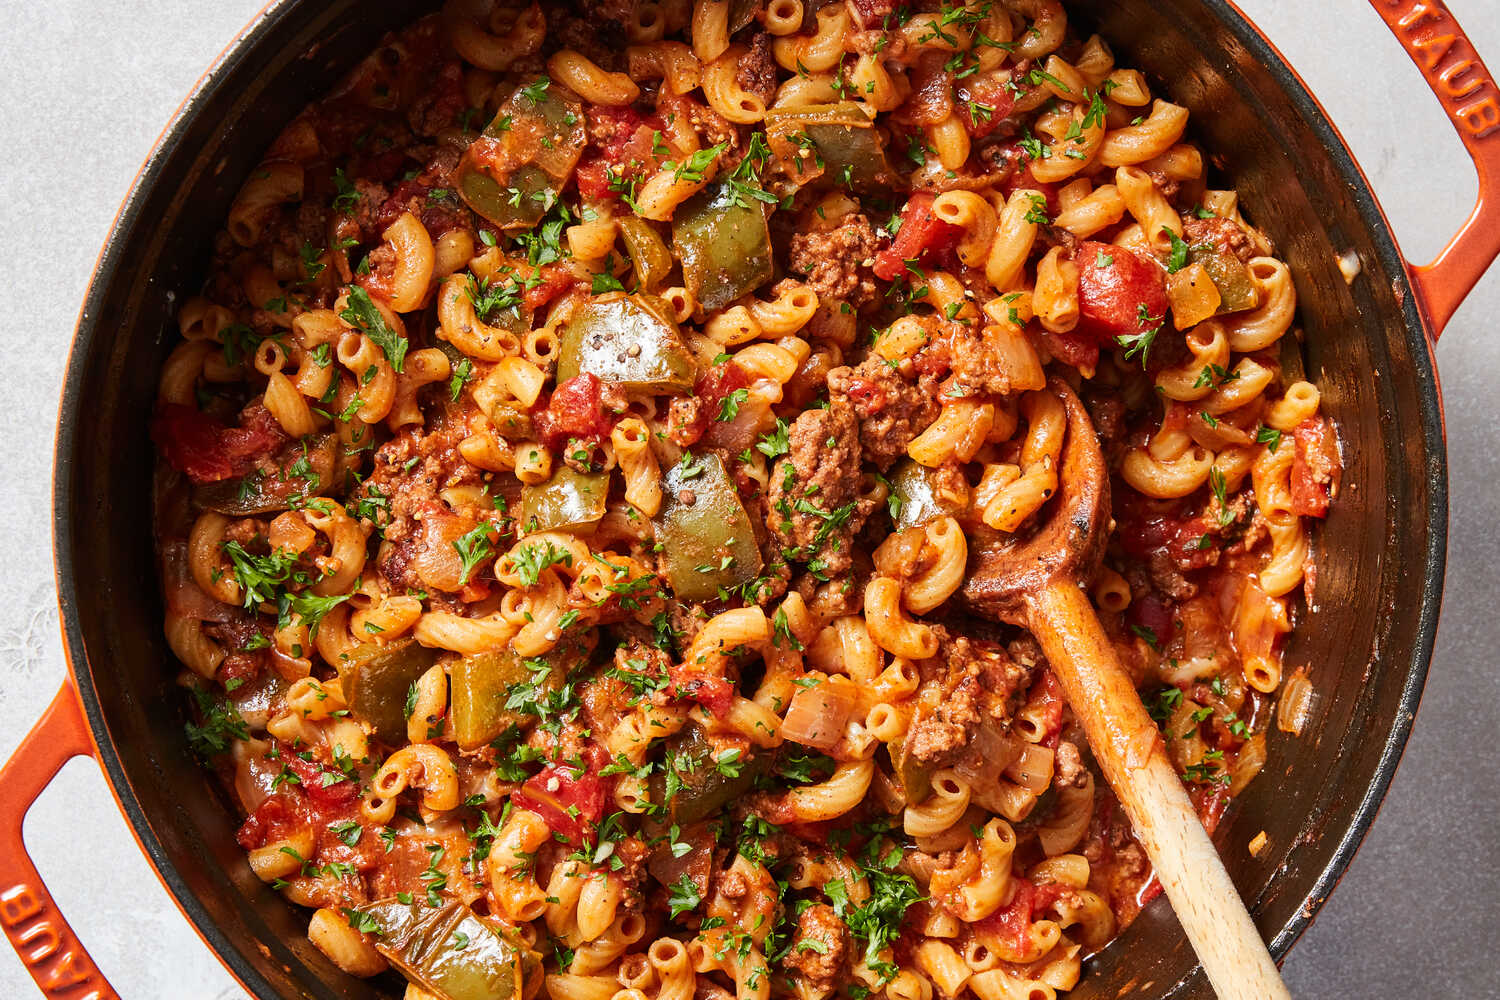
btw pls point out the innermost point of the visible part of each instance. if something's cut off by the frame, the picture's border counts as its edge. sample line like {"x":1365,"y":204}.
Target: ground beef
{"x":873,"y":13}
{"x":1107,"y":412}
{"x":1003,"y":676}
{"x":237,"y":636}
{"x":814,"y":497}
{"x":976,"y":367}
{"x":619,"y":12}
{"x":891,"y":409}
{"x":410,"y":471}
{"x":1224,"y":235}
{"x":1070,"y":772}
{"x":438,"y":105}
{"x":428,"y":196}
{"x":977,"y":682}
{"x":596,"y":34}
{"x":837,"y":263}
{"x":1169,"y":186}
{"x":825,"y":960}
{"x":756,"y":72}
{"x":366,"y":207}
{"x":937,"y":736}
{"x":1167,"y":578}
{"x":685,"y":620}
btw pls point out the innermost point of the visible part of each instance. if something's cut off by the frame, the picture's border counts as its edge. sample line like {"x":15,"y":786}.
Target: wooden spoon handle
{"x":1129,"y":749}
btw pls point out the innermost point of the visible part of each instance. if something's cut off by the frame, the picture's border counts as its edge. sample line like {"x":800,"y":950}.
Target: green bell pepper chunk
{"x":569,"y":501}
{"x":1229,"y":275}
{"x":703,"y":789}
{"x":450,"y":952}
{"x":259,"y":493}
{"x":376,"y":680}
{"x":479,"y":686}
{"x":914,"y":776}
{"x":707,"y":543}
{"x":629,"y":340}
{"x":648,"y":251}
{"x":724,"y":245}
{"x":517,"y":205}
{"x":741,"y":13}
{"x":513,"y":173}
{"x":849,"y":151}
{"x":918,"y":501}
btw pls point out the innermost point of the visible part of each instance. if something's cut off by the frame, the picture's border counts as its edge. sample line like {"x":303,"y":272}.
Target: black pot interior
{"x":1366,"y":640}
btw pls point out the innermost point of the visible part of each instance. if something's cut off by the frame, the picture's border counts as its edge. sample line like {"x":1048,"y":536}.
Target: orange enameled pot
{"x":1368,"y":345}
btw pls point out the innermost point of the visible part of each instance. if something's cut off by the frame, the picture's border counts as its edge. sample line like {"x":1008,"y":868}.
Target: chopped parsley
{"x":474,"y":547}
{"x":1178,"y":258}
{"x":222,"y":725}
{"x":1139,"y":344}
{"x":361,"y":313}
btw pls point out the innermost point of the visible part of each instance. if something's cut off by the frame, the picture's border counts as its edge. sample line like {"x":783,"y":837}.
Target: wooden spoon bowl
{"x":1036,"y":582}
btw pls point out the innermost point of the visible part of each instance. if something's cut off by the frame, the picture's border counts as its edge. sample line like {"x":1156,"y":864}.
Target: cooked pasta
{"x":573,"y":460}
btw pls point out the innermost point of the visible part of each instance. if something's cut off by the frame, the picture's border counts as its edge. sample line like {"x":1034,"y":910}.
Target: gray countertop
{"x":88,"y":84}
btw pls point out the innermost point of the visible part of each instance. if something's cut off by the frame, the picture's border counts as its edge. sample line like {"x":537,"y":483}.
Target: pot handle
{"x":1468,"y":93}
{"x":36,"y":928}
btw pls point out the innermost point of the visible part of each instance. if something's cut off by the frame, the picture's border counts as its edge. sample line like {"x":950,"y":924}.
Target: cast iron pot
{"x":1368,"y":346}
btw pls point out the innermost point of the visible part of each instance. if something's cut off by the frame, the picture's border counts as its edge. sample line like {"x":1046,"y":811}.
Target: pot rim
{"x":171,"y":143}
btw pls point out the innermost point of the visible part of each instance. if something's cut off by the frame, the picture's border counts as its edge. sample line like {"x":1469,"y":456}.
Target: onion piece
{"x":182,"y":594}
{"x":254,"y":774}
{"x":817,"y":715}
{"x":690,"y":854}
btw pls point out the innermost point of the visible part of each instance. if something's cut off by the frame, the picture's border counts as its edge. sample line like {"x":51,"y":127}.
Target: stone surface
{"x":87,"y":86}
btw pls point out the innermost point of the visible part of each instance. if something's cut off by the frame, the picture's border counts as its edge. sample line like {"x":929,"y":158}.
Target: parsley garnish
{"x":684,"y":897}
{"x":362,"y":314}
{"x":1140,"y":343}
{"x":729,"y":406}
{"x":1179,"y":256}
{"x":474,"y":548}
{"x":221,"y":725}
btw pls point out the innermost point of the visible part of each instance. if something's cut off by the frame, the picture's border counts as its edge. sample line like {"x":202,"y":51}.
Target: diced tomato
{"x":323,"y":785}
{"x":556,"y":281}
{"x":1048,"y":690}
{"x":593,"y":178}
{"x":872,"y":13}
{"x":243,"y":667}
{"x":571,"y":802}
{"x":930,"y":99}
{"x":983,"y":103}
{"x":575,"y":410}
{"x":1072,"y":349}
{"x":1148,"y":892}
{"x":1013,"y":921}
{"x":624,"y":143}
{"x":713,"y":691}
{"x":205,"y":450}
{"x":616,"y":126}
{"x":868,"y":397}
{"x":253,"y":832}
{"x":1211,"y":803}
{"x":1151,"y":611}
{"x":1120,"y":293}
{"x":922,"y":234}
{"x":1147,"y":527}
{"x":438,"y":208}
{"x":709,"y":393}
{"x":1314,"y":465}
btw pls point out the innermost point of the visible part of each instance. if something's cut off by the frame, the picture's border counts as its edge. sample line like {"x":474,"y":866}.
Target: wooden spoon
{"x":1036,"y":583}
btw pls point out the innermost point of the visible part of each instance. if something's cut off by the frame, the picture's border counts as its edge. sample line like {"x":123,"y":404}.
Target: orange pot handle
{"x":1467,"y":91}
{"x":35,"y":926}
